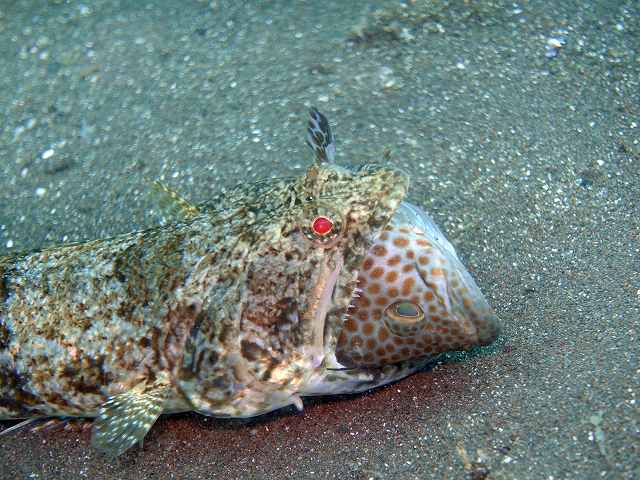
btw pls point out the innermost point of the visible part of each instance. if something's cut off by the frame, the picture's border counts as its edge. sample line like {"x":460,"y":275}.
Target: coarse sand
{"x":519,"y":122}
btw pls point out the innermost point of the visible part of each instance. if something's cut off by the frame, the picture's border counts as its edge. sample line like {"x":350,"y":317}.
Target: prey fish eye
{"x":402,"y":318}
{"x":405,"y":312}
{"x":325,"y":283}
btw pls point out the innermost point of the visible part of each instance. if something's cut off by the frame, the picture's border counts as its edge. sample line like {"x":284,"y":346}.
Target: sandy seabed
{"x":519,"y":124}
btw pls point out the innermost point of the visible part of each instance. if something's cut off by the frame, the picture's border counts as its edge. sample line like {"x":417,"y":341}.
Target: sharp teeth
{"x":297,"y":401}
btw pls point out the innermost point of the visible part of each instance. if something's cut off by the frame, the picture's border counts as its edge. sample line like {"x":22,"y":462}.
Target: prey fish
{"x":236,"y":309}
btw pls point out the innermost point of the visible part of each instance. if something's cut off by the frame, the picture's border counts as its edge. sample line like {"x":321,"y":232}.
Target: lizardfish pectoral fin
{"x":124,"y":419}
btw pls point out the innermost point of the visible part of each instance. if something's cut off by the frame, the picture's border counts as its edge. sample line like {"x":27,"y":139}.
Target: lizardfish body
{"x":241,"y":307}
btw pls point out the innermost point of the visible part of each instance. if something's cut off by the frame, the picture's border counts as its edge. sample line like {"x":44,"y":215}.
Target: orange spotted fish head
{"x":415,"y":299}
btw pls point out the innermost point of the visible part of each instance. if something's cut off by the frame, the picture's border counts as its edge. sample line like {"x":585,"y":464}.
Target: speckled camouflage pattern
{"x":228,"y":312}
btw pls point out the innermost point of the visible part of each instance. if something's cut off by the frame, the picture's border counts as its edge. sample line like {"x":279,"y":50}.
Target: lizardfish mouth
{"x":413,"y":298}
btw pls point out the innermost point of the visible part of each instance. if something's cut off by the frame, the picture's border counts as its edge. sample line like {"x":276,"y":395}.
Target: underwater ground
{"x":519,"y":122}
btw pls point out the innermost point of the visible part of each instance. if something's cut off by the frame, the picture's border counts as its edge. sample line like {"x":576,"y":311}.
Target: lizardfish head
{"x":277,"y":293}
{"x":415,"y":298}
{"x":302,"y":281}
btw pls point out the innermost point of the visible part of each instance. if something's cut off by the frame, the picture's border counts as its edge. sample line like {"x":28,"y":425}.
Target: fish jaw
{"x":415,"y":299}
{"x":260,"y":338}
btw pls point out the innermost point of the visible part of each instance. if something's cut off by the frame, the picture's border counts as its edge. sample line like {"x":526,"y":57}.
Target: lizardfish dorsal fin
{"x":173,"y":203}
{"x":124,"y":419}
{"x":320,"y":138}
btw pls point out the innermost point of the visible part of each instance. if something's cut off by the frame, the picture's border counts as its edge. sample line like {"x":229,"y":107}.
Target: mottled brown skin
{"x":225,"y":304}
{"x":91,"y":320}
